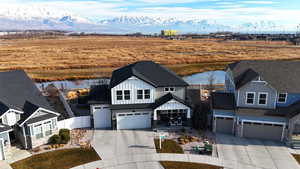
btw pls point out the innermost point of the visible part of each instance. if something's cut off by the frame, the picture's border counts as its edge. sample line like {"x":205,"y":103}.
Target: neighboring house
{"x":262,"y":100}
{"x":141,"y":95}
{"x":25,"y":115}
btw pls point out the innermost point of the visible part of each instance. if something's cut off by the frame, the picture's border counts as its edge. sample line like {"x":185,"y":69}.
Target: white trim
{"x":2,"y":143}
{"x":7,"y":131}
{"x":262,"y":122}
{"x":267,"y":94}
{"x":17,"y":111}
{"x":226,"y":116}
{"x":25,"y":137}
{"x":282,"y":134}
{"x":254,"y":95}
{"x":41,"y":122}
{"x":238,"y":98}
{"x":286,"y":95}
{"x":40,"y":108}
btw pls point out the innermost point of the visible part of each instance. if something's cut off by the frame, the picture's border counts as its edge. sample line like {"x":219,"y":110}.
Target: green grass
{"x":168,"y":146}
{"x":297,"y":157}
{"x":187,"y":165}
{"x":59,"y":159}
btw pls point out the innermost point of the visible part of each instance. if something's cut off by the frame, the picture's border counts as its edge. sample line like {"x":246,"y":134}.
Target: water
{"x":202,"y":78}
{"x":74,"y":84}
{"x":195,"y":79}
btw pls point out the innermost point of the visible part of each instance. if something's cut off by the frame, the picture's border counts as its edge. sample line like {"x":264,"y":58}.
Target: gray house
{"x":26,"y":117}
{"x":262,"y":100}
{"x":141,"y":95}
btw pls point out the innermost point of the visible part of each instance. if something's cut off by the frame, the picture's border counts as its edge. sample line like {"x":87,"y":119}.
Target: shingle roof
{"x":224,"y":101}
{"x":148,"y":71}
{"x":4,"y":128}
{"x":282,"y":75}
{"x":3,"y":108}
{"x":17,"y":90}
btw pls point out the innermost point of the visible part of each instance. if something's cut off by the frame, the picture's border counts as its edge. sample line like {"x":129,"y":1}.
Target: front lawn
{"x":297,"y":157}
{"x":59,"y":159}
{"x":186,"y":165}
{"x":168,"y":146}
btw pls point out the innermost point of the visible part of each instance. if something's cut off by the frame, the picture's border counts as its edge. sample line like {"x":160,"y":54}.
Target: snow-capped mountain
{"x":43,"y":17}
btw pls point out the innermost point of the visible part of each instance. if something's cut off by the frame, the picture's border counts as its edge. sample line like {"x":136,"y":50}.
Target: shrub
{"x":55,"y":139}
{"x":64,"y":135}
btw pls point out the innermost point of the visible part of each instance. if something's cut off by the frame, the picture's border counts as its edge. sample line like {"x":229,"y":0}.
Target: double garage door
{"x":134,"y":120}
{"x":263,"y":131}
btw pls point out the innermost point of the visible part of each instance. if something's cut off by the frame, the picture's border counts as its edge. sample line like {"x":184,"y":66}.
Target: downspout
{"x":24,"y":134}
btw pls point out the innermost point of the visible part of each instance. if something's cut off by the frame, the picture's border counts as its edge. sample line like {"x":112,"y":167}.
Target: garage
{"x":262,"y":130}
{"x":134,"y":120}
{"x":102,"y":116}
{"x":224,"y":125}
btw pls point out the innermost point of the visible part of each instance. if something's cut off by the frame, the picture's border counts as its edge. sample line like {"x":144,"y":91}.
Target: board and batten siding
{"x":172,"y":105}
{"x":133,"y":84}
{"x":10,"y":118}
{"x":179,"y":92}
{"x":257,"y":87}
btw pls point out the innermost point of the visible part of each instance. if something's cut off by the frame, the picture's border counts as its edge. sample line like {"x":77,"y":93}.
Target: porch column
{"x":188,"y":116}
{"x":154,"y":124}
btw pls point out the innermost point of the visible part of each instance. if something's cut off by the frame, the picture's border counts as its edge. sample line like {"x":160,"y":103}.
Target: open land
{"x":96,"y":56}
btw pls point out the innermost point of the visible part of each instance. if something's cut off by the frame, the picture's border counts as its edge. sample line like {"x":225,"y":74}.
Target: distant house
{"x":141,"y":95}
{"x":25,"y":115}
{"x":262,"y":100}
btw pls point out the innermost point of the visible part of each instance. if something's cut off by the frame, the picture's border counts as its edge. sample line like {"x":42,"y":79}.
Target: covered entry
{"x":268,"y":130}
{"x":134,"y":120}
{"x":102,"y":116}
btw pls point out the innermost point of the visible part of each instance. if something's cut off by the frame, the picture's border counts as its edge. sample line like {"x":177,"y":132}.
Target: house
{"x":141,"y":95}
{"x":26,"y":117}
{"x":261,"y":100}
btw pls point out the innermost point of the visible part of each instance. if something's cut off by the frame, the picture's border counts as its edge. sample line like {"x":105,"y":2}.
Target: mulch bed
{"x":187,"y":165}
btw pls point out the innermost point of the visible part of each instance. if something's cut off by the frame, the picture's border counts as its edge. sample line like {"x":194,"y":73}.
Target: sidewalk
{"x":139,"y":161}
{"x":4,"y":165}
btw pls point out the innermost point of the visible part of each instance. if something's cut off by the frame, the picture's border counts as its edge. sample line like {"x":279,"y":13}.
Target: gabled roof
{"x":29,"y":109}
{"x":282,"y":75}
{"x":148,"y":71}
{"x":167,"y":97}
{"x":224,"y":101}
{"x":17,"y":90}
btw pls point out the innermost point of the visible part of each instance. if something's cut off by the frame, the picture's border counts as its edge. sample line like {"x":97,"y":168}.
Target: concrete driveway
{"x":262,"y":154}
{"x":110,"y":144}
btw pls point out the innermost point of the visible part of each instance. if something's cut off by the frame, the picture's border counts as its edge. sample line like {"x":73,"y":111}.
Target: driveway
{"x":262,"y":154}
{"x":110,"y":144}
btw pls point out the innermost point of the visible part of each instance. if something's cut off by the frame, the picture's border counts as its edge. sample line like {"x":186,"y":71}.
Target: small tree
{"x":64,"y":136}
{"x":55,"y":139}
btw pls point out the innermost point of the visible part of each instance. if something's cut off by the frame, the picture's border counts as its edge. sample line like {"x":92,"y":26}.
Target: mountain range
{"x":20,"y":18}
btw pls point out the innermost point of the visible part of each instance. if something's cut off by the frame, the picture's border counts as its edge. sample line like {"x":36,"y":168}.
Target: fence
{"x":75,"y":122}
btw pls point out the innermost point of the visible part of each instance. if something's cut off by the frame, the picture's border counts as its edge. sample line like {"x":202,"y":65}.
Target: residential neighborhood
{"x":146,"y":110}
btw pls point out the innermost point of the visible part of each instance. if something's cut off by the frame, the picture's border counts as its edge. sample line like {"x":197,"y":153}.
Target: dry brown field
{"x":92,"y":57}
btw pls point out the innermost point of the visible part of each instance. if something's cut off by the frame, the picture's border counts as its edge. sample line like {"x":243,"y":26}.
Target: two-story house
{"x":141,"y":95}
{"x":262,"y":100}
{"x":26,"y":117}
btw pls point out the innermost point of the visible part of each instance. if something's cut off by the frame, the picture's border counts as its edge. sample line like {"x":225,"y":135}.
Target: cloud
{"x":259,"y":2}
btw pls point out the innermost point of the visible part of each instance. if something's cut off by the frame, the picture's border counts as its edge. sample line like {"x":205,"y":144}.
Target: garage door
{"x":102,"y":117}
{"x":136,"y":120}
{"x":224,"y":125}
{"x":262,"y":131}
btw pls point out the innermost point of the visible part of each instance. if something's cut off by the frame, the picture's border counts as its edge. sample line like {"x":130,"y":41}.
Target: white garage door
{"x":134,"y":120}
{"x":102,"y":117}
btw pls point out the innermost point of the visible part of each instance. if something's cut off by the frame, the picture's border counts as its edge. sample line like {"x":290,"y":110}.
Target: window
{"x":169,"y":89}
{"x":262,"y":100}
{"x":139,"y":94}
{"x":38,"y":131}
{"x":282,"y":97}
{"x":147,"y":94}
{"x":54,"y":123}
{"x":48,"y":128}
{"x":119,"y":95}
{"x":250,"y":98}
{"x":127,"y":94}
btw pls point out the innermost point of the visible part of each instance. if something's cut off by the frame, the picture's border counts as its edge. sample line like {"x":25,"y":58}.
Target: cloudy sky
{"x":286,"y":12}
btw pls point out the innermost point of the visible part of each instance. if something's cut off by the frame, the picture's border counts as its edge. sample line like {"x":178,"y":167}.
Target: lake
{"x":195,"y":79}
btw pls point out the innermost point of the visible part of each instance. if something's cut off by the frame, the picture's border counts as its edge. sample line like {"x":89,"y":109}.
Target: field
{"x":92,"y":57}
